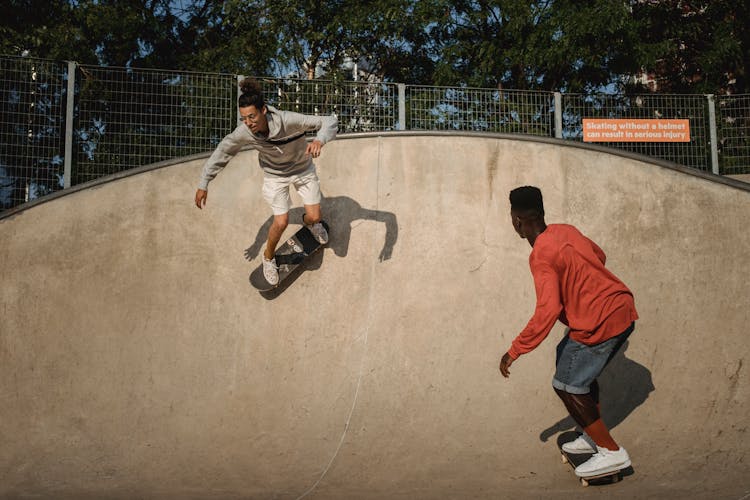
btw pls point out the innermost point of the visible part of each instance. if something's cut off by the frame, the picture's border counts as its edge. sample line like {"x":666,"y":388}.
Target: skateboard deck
{"x":290,"y":255}
{"x":576,"y":459}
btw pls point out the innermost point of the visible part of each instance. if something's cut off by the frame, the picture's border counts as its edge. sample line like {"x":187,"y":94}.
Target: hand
{"x":200,"y":198}
{"x":313,"y":148}
{"x":505,"y":365}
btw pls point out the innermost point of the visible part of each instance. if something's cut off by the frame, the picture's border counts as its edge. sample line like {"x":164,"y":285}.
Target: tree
{"x":234,"y":36}
{"x":570,"y":45}
{"x":392,"y":39}
{"x":545,"y":45}
{"x":45,"y":29}
{"x":695,"y":46}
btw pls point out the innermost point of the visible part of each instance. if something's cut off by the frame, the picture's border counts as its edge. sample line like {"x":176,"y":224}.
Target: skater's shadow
{"x":624,"y":385}
{"x":340,"y":212}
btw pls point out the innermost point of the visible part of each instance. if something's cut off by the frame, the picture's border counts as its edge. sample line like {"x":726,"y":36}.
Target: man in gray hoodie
{"x":285,"y":157}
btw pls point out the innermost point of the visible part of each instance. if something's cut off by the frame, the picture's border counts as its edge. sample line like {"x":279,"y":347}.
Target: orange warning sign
{"x":635,"y":130}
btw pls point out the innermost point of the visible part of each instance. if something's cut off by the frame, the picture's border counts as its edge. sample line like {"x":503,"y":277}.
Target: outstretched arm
{"x":225,"y":151}
{"x":546,"y":313}
{"x":326,"y":126}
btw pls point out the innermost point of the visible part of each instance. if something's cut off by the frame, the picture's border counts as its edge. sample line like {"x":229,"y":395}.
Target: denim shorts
{"x":578,"y":365}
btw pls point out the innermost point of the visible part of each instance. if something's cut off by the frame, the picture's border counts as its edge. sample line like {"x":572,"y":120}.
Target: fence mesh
{"x":696,"y":153}
{"x":733,"y":130}
{"x":486,"y":110}
{"x":124,"y":118}
{"x":128,"y":118}
{"x":360,"y":106}
{"x":32,"y":120}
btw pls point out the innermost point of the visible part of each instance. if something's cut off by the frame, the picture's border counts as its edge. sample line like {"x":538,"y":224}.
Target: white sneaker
{"x":604,"y":461}
{"x":583,"y":444}
{"x":320,"y":233}
{"x":270,"y":271}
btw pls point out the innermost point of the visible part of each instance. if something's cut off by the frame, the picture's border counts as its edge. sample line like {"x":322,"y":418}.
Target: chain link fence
{"x":62,"y":124}
{"x":360,"y":106}
{"x":696,"y":153}
{"x":733,"y":124}
{"x":126,"y":118}
{"x":32,"y":123}
{"x":484,"y":110}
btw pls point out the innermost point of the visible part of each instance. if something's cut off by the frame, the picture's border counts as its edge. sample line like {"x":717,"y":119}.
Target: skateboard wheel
{"x":584,"y":482}
{"x":564,"y":459}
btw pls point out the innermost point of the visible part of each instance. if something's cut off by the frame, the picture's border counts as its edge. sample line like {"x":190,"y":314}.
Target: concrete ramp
{"x":136,"y":361}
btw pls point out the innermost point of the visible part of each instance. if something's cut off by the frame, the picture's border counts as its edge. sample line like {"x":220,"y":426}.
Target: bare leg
{"x":312,"y":215}
{"x":279,"y":224}
{"x":584,"y":410}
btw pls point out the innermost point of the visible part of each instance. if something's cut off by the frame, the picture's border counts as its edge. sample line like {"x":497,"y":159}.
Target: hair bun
{"x":251,"y":86}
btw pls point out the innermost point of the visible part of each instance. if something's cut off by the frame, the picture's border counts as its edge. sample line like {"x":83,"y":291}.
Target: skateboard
{"x":576,"y":459}
{"x":289,"y":256}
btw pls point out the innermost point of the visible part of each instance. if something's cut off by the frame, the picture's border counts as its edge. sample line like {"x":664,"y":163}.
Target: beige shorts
{"x":276,"y":190}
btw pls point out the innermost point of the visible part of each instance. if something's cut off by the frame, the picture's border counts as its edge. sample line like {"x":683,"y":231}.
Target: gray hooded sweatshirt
{"x":282,"y":153}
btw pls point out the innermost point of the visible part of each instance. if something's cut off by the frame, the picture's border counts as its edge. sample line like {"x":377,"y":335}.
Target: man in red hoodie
{"x":573,"y":286}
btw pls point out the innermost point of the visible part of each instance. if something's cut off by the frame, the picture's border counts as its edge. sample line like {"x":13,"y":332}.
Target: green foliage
{"x":568,"y":45}
{"x":549,"y":45}
{"x":695,"y":46}
{"x":43,"y":28}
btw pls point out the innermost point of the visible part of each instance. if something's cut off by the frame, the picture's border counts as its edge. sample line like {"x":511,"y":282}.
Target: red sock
{"x":599,"y":433}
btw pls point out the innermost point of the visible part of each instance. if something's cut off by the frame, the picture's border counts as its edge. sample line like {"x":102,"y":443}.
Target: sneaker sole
{"x":270,"y":282}
{"x":604,"y":471}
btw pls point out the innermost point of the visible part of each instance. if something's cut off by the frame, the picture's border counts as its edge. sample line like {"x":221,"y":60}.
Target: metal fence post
{"x":402,"y":106}
{"x":69,"y":107}
{"x":558,"y":116}
{"x":712,"y":134}
{"x":233,"y":104}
